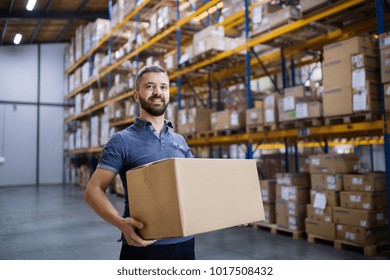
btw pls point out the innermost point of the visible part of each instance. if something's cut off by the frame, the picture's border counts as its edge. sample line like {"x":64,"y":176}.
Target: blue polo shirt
{"x":140,"y":144}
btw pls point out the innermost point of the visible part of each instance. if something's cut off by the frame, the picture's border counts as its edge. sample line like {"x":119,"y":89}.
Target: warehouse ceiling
{"x":51,"y":21}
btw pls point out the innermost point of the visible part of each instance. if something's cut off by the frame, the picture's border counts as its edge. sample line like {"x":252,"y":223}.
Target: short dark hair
{"x":148,"y":69}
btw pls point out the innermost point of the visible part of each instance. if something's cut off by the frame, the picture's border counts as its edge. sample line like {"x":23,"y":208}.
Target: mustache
{"x":157,"y":97}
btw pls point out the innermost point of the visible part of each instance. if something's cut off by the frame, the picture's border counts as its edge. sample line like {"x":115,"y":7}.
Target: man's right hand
{"x":127,"y":227}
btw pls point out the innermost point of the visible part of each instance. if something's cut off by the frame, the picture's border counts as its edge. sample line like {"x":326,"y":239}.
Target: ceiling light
{"x":30,"y":5}
{"x":17,"y":39}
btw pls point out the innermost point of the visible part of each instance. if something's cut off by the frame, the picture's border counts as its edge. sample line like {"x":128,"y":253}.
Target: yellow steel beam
{"x":107,"y":36}
{"x":271,"y":35}
{"x":100,"y":106}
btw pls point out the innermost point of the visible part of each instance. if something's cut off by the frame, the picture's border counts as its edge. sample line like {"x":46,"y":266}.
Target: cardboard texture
{"x":385,"y":65}
{"x":363,"y":200}
{"x":333,"y":163}
{"x":293,"y":179}
{"x":254,"y":116}
{"x":292,"y":193}
{"x":360,"y":218}
{"x":290,"y":222}
{"x":337,"y":101}
{"x":372,"y":182}
{"x":362,"y":60}
{"x":337,"y":72}
{"x":384,"y":40}
{"x":362,"y":236}
{"x":327,"y":230}
{"x":358,"y":44}
{"x":269,"y":213}
{"x":321,"y":215}
{"x":332,"y":197}
{"x":321,"y":182}
{"x":182,"y":197}
{"x":310,"y":109}
{"x":227,"y":119}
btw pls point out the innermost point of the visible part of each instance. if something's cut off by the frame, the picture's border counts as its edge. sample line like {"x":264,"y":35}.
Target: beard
{"x":155,"y":110}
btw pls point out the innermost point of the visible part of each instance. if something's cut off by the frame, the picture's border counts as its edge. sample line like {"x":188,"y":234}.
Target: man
{"x":150,"y":138}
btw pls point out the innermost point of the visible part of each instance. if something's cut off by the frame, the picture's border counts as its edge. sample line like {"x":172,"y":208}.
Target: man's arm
{"x":95,"y":197}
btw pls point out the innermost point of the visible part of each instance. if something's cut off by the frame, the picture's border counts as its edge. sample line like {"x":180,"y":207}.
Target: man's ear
{"x":136,"y":96}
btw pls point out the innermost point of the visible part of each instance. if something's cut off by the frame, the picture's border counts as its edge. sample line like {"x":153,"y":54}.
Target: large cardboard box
{"x":371,"y":182}
{"x":332,"y":182}
{"x":360,"y":218}
{"x":292,"y":193}
{"x":268,"y":190}
{"x":367,"y":98}
{"x":333,"y":163}
{"x":290,"y":222}
{"x":321,"y":215}
{"x":298,"y":91}
{"x":362,"y":236}
{"x":385,"y":65}
{"x":293,"y":179}
{"x":361,"y":76}
{"x":307,"y":110}
{"x":337,"y":71}
{"x":254,"y":116}
{"x":278,"y":18}
{"x":227,"y":119}
{"x":327,"y":230}
{"x":387,"y":96}
{"x":331,"y":198}
{"x":269,"y":213}
{"x":358,"y":44}
{"x":181,"y":197}
{"x":384,"y":40}
{"x":337,"y":101}
{"x":362,"y":60}
{"x":363,"y":200}
{"x":199,"y":119}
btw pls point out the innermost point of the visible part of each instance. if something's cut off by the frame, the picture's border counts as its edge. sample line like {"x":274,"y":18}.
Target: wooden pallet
{"x":368,"y":250}
{"x":275,"y":229}
{"x":301,"y":123}
{"x":270,"y":127}
{"x":254,"y":128}
{"x":312,"y":238}
{"x":362,"y":117}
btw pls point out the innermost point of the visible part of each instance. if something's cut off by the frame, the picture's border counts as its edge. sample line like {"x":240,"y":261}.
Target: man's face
{"x":153,"y":93}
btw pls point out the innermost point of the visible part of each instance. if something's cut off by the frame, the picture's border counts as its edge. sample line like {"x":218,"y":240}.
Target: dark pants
{"x":180,"y":251}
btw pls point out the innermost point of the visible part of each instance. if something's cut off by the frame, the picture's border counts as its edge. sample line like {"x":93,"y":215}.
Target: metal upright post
{"x":292,"y":72}
{"x":286,"y":156}
{"x":248,"y":74}
{"x":372,"y":157}
{"x":178,"y":39}
{"x":296,"y":157}
{"x":284,"y":69}
{"x":326,"y":146}
{"x":219,"y":103}
{"x":210,"y":95}
{"x":381,"y":29}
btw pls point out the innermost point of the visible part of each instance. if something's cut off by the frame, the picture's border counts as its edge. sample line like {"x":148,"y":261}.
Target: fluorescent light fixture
{"x":17,"y":39}
{"x":31,"y":4}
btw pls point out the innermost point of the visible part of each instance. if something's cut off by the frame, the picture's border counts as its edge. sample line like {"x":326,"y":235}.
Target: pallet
{"x":368,"y":250}
{"x":275,"y":229}
{"x":318,"y":8}
{"x":361,"y":117}
{"x":270,"y":127}
{"x":314,"y":239}
{"x":301,"y":123}
{"x":254,"y":128}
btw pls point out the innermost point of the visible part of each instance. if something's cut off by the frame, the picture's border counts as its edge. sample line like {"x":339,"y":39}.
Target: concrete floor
{"x":53,"y":223}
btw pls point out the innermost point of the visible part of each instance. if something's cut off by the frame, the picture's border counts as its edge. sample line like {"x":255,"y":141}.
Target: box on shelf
{"x":387,"y":96}
{"x":268,"y":188}
{"x":332,"y":182}
{"x":171,"y":199}
{"x":209,"y":43}
{"x":78,"y":43}
{"x":227,"y":119}
{"x":309,"y":109}
{"x":362,"y":60}
{"x":385,"y":65}
{"x":254,"y":116}
{"x":321,"y":215}
{"x":363,"y":101}
{"x":372,"y":182}
{"x":337,"y":101}
{"x":318,"y":228}
{"x":362,"y":76}
{"x":363,"y":200}
{"x":212,"y":31}
{"x":333,"y":163}
{"x":348,"y":47}
{"x":362,"y":236}
{"x":384,"y":40}
{"x":336,"y":72}
{"x":360,"y":218}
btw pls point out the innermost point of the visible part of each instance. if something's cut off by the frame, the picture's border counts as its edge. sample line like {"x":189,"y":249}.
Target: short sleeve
{"x":188,"y":150}
{"x":112,"y":155}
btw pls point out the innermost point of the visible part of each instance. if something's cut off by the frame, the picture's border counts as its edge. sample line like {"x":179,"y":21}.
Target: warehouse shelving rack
{"x":272,"y":61}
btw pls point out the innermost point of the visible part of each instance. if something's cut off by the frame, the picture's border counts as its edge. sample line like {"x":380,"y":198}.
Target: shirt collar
{"x":143,"y":123}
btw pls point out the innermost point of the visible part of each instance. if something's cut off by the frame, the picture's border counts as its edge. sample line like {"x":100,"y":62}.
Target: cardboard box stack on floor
{"x":268,"y":193}
{"x":339,"y":77}
{"x":326,"y":184}
{"x":292,"y":195}
{"x":384,"y":45}
{"x":362,"y":215}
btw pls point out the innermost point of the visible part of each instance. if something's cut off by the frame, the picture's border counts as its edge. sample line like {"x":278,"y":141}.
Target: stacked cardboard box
{"x":326,"y":184}
{"x":95,"y":131}
{"x":361,"y":217}
{"x":384,"y":45}
{"x":210,"y":38}
{"x":104,"y":128}
{"x":270,"y":110}
{"x":227,"y":120}
{"x":268,"y":193}
{"x":193,"y":120}
{"x":292,"y":195}
{"x":337,"y":74}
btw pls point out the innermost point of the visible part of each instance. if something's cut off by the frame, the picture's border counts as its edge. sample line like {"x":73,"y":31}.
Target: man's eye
{"x":149,"y":86}
{"x":164,"y":87}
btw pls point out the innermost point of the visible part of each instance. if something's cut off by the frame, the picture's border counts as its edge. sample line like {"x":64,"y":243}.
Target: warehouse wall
{"x":21,"y":68}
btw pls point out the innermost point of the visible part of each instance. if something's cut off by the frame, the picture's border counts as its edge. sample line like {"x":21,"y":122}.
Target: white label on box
{"x":269,"y":116}
{"x":234,"y":118}
{"x":350,"y":235}
{"x":366,"y":205}
{"x":265,"y":20}
{"x":315,"y":161}
{"x":355,"y":198}
{"x":363,"y":223}
{"x":386,"y":41}
{"x":288,"y":103}
{"x":292,"y":221}
{"x":213,"y":119}
{"x":301,"y":111}
{"x":257,"y":14}
{"x":201,"y":46}
{"x":319,"y":201}
{"x":358,"y":78}
{"x":339,"y":227}
{"x":367,"y":188}
{"x":360,"y":102}
{"x":285,"y":193}
{"x":331,"y":182}
{"x":357,"y":60}
{"x":379,"y":216}
{"x":183,"y":119}
{"x":327,"y":219}
{"x":387,"y":62}
{"x":283,"y":181}
{"x":388,"y":90}
{"x":319,"y":211}
{"x":264,"y":194}
{"x":357,"y":181}
{"x":269,"y":100}
{"x":253,"y":115}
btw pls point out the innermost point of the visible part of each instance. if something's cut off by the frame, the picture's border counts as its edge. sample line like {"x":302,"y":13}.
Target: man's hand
{"x":127,"y":227}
